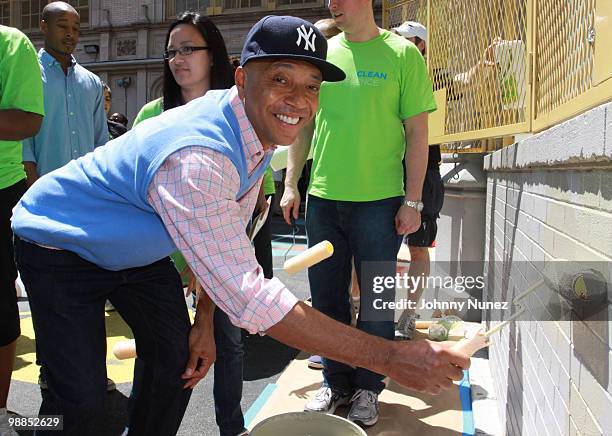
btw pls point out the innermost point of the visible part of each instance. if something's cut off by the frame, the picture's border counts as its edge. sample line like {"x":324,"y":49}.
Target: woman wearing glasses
{"x":195,"y":61}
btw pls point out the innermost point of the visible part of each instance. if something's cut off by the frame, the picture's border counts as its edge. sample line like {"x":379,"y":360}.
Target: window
{"x":30,"y":13}
{"x":190,"y":5}
{"x":296,"y":2}
{"x":241,"y":4}
{"x":82,"y":7}
{"x":5,"y":13}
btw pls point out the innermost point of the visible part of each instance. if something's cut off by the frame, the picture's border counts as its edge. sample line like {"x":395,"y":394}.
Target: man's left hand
{"x":407,"y":220}
{"x":202,"y":354}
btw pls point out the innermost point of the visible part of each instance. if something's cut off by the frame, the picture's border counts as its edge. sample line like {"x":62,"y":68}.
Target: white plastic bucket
{"x":306,"y":424}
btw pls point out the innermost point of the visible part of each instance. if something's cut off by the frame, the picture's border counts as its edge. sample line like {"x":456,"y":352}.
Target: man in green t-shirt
{"x":21,"y":114}
{"x":356,"y":199}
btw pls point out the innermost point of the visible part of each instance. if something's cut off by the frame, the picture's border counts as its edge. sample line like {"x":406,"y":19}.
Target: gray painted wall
{"x":550,"y":196}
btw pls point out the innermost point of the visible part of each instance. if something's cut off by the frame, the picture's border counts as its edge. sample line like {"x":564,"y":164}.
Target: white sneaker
{"x":364,"y":409}
{"x":326,"y":401}
{"x":5,"y":428}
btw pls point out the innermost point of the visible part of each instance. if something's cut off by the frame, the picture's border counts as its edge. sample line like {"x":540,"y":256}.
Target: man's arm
{"x":484,"y":68}
{"x":297,"y":156}
{"x":21,"y":91}
{"x":201,"y":340}
{"x":421,"y":365}
{"x":16,"y":124}
{"x":31,"y":172}
{"x":193,"y":194}
{"x":408,"y":219}
{"x":29,"y":160}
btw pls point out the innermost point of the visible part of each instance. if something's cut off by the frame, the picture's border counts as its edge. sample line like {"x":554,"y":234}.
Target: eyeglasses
{"x":184,"y":51}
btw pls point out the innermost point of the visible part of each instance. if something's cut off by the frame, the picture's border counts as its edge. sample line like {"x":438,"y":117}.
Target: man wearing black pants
{"x":21,"y":110}
{"x":149,"y":298}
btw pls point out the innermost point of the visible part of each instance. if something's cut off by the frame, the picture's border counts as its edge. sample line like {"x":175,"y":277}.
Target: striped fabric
{"x":194,"y":193}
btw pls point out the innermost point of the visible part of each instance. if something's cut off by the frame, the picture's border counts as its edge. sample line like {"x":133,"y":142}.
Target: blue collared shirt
{"x":74,"y":123}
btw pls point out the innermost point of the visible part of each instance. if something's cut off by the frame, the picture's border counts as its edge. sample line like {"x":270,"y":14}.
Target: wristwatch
{"x":416,"y":205}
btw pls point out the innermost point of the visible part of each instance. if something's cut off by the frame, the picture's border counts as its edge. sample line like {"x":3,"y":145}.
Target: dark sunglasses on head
{"x":184,"y":51}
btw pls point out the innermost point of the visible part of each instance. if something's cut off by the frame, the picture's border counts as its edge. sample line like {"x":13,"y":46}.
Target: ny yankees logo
{"x":309,"y":37}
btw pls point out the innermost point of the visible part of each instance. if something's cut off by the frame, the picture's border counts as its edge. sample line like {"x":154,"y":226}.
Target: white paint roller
{"x":310,"y":257}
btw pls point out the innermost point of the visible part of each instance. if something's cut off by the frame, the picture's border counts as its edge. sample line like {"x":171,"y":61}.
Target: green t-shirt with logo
{"x":359,"y":136}
{"x":20,"y":88}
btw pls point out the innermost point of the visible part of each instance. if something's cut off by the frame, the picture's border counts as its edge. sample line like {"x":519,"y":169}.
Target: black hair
{"x":119,"y":118}
{"x":221,"y":72}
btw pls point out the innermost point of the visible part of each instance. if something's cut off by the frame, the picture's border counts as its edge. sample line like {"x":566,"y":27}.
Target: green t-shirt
{"x":149,"y":110}
{"x":20,"y":88}
{"x":268,"y":182}
{"x":359,"y":136}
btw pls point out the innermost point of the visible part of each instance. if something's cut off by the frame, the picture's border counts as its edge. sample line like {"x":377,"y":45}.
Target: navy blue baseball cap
{"x":278,"y":37}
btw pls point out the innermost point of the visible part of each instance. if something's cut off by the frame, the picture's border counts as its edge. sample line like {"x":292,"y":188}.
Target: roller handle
{"x":125,"y":349}
{"x":471,"y":345}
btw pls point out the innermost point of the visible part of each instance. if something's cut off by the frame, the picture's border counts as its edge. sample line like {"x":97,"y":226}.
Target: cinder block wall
{"x":550,"y":196}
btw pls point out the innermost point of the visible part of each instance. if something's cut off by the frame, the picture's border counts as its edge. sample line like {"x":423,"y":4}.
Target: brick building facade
{"x":122,"y":41}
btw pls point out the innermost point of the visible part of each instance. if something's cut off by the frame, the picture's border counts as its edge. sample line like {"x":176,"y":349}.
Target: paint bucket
{"x":306,"y":424}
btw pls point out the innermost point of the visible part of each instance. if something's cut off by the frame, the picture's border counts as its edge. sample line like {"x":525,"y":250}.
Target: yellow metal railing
{"x":504,"y":67}
{"x":573,"y":67}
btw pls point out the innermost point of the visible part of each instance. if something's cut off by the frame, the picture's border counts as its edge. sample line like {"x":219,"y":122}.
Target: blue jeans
{"x":67,"y":296}
{"x":365,"y":231}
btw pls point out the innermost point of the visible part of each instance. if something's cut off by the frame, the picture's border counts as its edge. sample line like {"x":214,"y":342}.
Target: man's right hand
{"x":421,"y":365}
{"x":425,"y":366}
{"x":290,"y":203}
{"x":31,"y":173}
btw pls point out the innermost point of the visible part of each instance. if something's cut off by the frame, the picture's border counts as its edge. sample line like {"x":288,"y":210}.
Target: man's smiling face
{"x":280,"y":97}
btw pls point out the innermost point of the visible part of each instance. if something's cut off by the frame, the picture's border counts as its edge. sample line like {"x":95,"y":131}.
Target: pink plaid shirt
{"x":194,"y":193}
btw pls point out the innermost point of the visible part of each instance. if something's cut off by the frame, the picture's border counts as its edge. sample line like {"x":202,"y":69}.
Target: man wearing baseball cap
{"x":187,"y":179}
{"x":414,"y":32}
